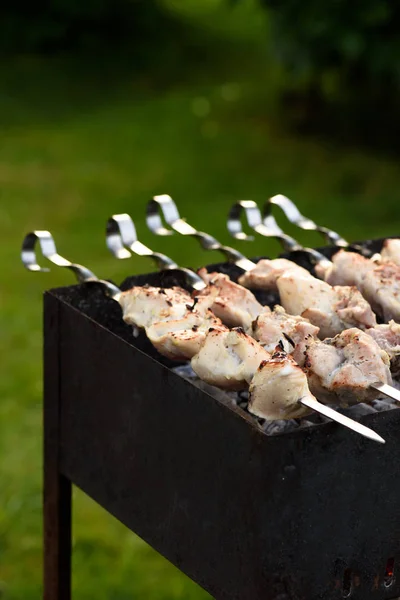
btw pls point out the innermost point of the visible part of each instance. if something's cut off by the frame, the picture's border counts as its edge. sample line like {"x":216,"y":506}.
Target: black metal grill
{"x":311,"y":514}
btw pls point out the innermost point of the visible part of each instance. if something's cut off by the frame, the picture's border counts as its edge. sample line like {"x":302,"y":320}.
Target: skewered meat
{"x":344,"y":367}
{"x":274,"y":380}
{"x":143,"y":306}
{"x":266,"y":273}
{"x":332,"y":309}
{"x":234,"y":305}
{"x":387,"y":336}
{"x":391,"y":251}
{"x":181,"y":339}
{"x":277,"y":326}
{"x":229,"y":359}
{"x":378,"y":283}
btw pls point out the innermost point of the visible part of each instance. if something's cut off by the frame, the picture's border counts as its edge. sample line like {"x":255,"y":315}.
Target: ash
{"x":240,"y":399}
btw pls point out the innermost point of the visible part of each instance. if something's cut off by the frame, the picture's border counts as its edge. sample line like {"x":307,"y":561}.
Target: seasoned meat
{"x":265,"y":275}
{"x":391,"y":251}
{"x":228,"y":359}
{"x":277,"y":326}
{"x":342,"y":369}
{"x":181,"y":339}
{"x":233,"y":304}
{"x":332,"y":309}
{"x":142,"y":306}
{"x":276,"y":389}
{"x":387,"y":336}
{"x":378,"y":283}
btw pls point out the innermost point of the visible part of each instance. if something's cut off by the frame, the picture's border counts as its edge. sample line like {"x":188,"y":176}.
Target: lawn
{"x":80,"y":142}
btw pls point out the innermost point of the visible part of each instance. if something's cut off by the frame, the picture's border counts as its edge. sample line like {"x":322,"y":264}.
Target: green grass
{"x":81,"y":144}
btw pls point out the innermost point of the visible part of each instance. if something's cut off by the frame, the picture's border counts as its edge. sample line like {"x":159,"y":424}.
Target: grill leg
{"x":57,"y":488}
{"x":57,"y":536}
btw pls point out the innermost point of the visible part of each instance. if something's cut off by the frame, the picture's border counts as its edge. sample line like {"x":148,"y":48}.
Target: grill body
{"x":245,"y":515}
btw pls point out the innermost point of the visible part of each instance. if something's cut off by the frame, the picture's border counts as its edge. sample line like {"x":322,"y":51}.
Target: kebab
{"x":274,"y":368}
{"x":332,"y":310}
{"x":378,"y":283}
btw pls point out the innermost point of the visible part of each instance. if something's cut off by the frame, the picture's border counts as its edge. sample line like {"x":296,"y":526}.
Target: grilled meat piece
{"x":387,"y":336}
{"x":181,"y":339}
{"x":277,"y":326}
{"x":143,"y":306}
{"x":391,"y":251}
{"x":265,"y":275}
{"x":234,"y":305}
{"x":277,"y":387}
{"x":343,"y":368}
{"x":332,"y":309}
{"x":228,"y":359}
{"x":378,"y":283}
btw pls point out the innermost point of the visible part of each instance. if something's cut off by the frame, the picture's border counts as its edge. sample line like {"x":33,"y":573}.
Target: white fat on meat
{"x":378,"y":283}
{"x":181,"y":339}
{"x":228,"y":359}
{"x":276,"y":389}
{"x":387,"y":336}
{"x":332,"y":309}
{"x":266,"y":273}
{"x":341,"y":369}
{"x":277,"y":326}
{"x":391,"y":251}
{"x":233,"y":304}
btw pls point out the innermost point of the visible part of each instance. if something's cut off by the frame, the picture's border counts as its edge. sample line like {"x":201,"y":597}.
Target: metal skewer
{"x":322,"y":409}
{"x":254,"y":219}
{"x":164,"y":206}
{"x":293,"y":215}
{"x":84,"y":275}
{"x":121,"y":238}
{"x":49,"y":251}
{"x":267,"y":227}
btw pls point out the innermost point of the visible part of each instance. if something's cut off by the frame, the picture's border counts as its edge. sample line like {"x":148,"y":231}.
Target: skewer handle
{"x":293,"y":214}
{"x":268,"y":227}
{"x":122,"y":239}
{"x":49,"y":251}
{"x":164,"y":207}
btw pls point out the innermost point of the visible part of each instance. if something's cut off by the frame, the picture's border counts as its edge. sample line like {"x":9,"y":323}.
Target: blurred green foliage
{"x":82,"y":140}
{"x":337,"y":46}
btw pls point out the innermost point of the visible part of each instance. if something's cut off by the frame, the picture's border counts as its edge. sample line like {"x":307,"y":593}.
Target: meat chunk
{"x":387,"y":336}
{"x":378,"y":283}
{"x":342,"y":369}
{"x":277,"y":326}
{"x":142,"y":306}
{"x":332,"y":309}
{"x":276,"y":389}
{"x":228,"y":359}
{"x":391,"y":251}
{"x":181,"y":339}
{"x":233,"y":304}
{"x":265,"y":275}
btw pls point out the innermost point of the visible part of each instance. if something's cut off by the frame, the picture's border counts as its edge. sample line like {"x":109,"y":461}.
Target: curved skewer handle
{"x":49,"y":251}
{"x":293,"y":214}
{"x":267,"y":227}
{"x":122,"y":239}
{"x":164,"y":207}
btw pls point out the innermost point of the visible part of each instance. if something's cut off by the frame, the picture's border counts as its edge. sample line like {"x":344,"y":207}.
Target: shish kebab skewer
{"x":353,"y":308}
{"x":279,"y":366}
{"x":345,"y":305}
{"x":237,"y":306}
{"x":378,"y":283}
{"x":390,"y":250}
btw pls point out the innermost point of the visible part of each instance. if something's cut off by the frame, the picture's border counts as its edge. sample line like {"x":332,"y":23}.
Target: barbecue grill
{"x":307,"y":514}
